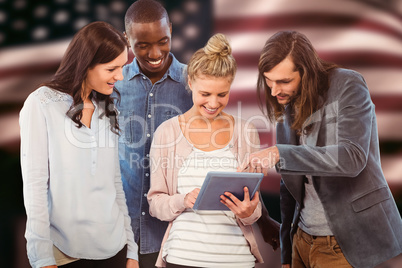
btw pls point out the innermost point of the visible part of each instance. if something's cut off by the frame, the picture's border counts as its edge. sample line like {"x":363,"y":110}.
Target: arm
{"x":35,"y":175}
{"x":132,"y":247}
{"x":346,"y":127}
{"x":164,"y":203}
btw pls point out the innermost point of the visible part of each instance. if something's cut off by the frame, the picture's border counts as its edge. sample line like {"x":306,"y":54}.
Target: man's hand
{"x":261,"y":161}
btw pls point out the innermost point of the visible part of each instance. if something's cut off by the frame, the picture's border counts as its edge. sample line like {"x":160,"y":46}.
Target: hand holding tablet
{"x":217,"y":183}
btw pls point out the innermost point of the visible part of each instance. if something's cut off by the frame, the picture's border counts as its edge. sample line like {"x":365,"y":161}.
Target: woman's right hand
{"x":190,"y":198}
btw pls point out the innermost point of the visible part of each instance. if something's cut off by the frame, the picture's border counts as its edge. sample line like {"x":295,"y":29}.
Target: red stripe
{"x":39,"y":68}
{"x":388,"y":103}
{"x":307,"y":19}
{"x":349,"y":59}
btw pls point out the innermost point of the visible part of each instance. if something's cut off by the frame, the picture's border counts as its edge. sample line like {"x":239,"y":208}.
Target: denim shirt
{"x":143,"y":107}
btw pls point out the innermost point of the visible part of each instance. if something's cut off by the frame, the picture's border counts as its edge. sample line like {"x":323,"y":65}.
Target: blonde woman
{"x":184,"y":149}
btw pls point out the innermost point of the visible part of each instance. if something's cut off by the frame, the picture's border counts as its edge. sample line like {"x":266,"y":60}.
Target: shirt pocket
{"x":371,"y":198}
{"x":170,"y":113}
{"x":126,"y":124}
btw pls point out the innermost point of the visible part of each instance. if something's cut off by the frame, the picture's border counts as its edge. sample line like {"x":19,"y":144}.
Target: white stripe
{"x":389,"y":125}
{"x":239,"y":8}
{"x":380,"y":81}
{"x":10,"y":129}
{"x":392,"y":167}
{"x":33,"y":54}
{"x":323,"y":39}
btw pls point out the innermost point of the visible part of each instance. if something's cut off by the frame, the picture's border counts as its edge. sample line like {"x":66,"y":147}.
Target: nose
{"x":213,"y":102}
{"x":275,"y":90}
{"x":119,"y":74}
{"x":154,"y":52}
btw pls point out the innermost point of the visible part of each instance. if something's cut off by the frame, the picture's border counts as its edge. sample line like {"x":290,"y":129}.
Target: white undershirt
{"x":207,"y":238}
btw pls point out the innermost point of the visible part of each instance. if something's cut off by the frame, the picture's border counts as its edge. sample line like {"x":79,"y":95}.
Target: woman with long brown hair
{"x":76,"y":209}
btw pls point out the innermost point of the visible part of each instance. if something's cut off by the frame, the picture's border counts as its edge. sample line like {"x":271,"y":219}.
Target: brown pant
{"x":316,"y":251}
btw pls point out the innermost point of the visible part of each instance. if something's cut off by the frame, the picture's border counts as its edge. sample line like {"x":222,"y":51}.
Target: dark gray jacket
{"x":342,"y":155}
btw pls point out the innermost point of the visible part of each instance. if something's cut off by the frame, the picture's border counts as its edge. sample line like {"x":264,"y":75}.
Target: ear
{"x":189,"y":82}
{"x":170,"y":27}
{"x":128,"y":40}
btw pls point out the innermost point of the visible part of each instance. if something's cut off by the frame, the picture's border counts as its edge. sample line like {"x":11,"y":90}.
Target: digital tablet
{"x":218,"y":182}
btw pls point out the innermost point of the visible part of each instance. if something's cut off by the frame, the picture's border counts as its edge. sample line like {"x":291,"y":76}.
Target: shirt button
{"x":144,"y":77}
{"x":149,"y":116}
{"x":147,"y":174}
{"x":147,"y":155}
{"x":143,"y":213}
{"x":148,"y":135}
{"x":151,"y":94}
{"x":145,"y":195}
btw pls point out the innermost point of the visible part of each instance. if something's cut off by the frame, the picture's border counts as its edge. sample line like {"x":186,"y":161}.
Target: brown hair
{"x":314,"y":73}
{"x":215,"y":59}
{"x":96,"y":43}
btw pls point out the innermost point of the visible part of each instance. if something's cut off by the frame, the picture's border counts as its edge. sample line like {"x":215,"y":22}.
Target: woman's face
{"x":210,"y":95}
{"x":102,"y":77}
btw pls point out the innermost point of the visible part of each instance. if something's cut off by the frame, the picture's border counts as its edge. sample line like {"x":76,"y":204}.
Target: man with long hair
{"x":337,"y":209}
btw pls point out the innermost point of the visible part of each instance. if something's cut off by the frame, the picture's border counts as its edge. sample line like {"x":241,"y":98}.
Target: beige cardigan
{"x":169,"y":150}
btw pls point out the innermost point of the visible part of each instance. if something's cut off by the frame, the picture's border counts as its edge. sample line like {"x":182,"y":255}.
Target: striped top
{"x":206,"y":238}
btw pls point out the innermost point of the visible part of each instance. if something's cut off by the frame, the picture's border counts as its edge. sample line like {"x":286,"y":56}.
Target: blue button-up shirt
{"x":143,"y":107}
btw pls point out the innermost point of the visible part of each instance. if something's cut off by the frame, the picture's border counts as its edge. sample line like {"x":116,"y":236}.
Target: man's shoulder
{"x":343,"y":73}
{"x":178,"y":71}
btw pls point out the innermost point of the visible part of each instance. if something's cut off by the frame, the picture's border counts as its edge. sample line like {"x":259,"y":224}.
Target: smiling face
{"x":102,"y":77}
{"x":210,"y":95}
{"x":284,"y":81}
{"x":151,"y":43}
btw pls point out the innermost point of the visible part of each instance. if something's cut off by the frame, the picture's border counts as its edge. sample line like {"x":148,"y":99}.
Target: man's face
{"x":284,"y":81}
{"x":151,"y":44}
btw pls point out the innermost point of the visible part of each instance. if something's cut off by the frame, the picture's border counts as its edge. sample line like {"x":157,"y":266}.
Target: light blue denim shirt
{"x":143,"y":108}
{"x":73,"y":193}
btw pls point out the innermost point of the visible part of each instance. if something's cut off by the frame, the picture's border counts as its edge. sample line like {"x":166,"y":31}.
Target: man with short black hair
{"x":153,"y":90}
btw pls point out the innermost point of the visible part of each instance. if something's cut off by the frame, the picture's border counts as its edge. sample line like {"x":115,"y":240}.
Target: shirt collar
{"x":174,"y":71}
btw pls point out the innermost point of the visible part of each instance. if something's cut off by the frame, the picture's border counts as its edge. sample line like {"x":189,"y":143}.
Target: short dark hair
{"x":96,"y":43}
{"x":144,"y":11}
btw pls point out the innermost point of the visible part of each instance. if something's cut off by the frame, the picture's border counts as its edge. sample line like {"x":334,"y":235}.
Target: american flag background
{"x":364,"y":35}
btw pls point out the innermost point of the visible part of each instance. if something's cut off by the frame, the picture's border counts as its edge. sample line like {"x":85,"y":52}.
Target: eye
{"x":222,"y":95}
{"x":163,"y":42}
{"x":205,"y":94}
{"x":142,"y":46}
{"x":111,"y":70}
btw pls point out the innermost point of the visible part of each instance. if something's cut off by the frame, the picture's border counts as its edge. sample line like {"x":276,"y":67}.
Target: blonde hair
{"x":215,"y":59}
